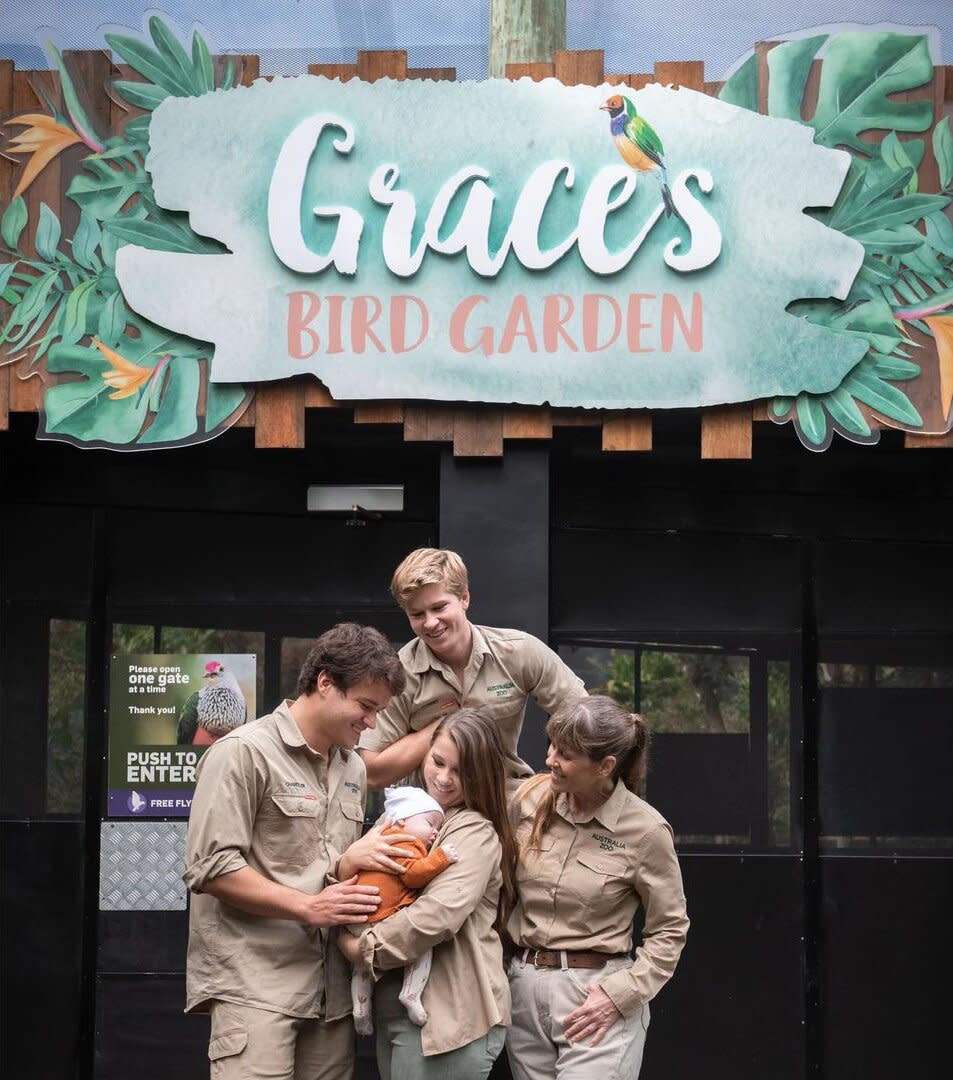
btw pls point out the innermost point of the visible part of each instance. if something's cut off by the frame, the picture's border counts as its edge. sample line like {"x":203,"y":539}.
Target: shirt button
{"x":300,"y":806}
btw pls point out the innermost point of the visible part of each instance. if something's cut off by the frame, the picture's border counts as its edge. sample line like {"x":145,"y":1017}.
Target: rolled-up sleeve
{"x":223,"y":812}
{"x":443,"y":907}
{"x":658,"y":882}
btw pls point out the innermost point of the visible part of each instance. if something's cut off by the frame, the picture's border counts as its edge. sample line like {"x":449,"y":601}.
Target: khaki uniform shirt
{"x":505,"y":667}
{"x":467,"y":992}
{"x":265,"y":799}
{"x":582,"y":887}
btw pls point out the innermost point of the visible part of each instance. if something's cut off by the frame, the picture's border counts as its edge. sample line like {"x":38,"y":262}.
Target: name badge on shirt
{"x":501,"y":689}
{"x":607,"y":843}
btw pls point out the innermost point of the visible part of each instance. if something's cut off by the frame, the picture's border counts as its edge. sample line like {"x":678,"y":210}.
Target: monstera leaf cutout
{"x":859,"y":73}
{"x":863,"y":76}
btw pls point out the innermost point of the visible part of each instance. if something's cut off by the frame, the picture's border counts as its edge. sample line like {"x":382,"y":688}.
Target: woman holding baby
{"x":459,"y":915}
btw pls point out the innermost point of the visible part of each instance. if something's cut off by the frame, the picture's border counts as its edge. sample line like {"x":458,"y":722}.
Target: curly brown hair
{"x":349,"y":653}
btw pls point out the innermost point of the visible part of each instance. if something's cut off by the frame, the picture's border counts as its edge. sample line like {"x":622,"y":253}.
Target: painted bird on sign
{"x":214,"y":710}
{"x":638,"y":144}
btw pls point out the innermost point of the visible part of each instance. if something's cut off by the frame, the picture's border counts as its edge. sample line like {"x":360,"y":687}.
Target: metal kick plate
{"x":140,"y":866}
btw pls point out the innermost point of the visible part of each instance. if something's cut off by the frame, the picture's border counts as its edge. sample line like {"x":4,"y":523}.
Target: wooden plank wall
{"x":277,"y":412}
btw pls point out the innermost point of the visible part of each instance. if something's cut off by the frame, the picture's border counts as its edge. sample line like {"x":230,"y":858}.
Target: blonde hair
{"x":595,"y":727}
{"x":429,"y":566}
{"x":482,"y":780}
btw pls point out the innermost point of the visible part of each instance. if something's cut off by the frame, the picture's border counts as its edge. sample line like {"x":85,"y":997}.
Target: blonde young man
{"x":453,"y":663}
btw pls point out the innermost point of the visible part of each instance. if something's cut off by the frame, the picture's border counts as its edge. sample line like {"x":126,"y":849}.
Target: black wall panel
{"x":41,"y":888}
{"x":141,"y":1030}
{"x":633,"y":582}
{"x":169,"y":557}
{"x":137,"y":941}
{"x":886,"y":967}
{"x":735,"y":1004}
{"x":884,"y":588}
{"x":699,"y":782}
{"x":496,"y":515}
{"x":884,"y":758}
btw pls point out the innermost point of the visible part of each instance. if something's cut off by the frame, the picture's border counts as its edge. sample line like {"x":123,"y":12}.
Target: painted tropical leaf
{"x":13,"y":221}
{"x":943,"y":152}
{"x":861,"y":73}
{"x":742,"y":88}
{"x":221,"y":400}
{"x":83,"y":410}
{"x":789,"y":65}
{"x":132,"y":401}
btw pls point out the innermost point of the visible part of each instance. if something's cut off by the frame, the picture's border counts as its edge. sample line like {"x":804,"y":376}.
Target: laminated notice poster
{"x":165,"y":710}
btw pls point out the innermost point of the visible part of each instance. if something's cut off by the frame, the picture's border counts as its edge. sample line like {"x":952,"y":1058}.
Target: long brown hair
{"x":595,"y":727}
{"x":483,"y":780}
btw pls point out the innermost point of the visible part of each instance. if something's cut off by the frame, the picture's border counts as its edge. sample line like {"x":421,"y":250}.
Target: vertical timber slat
{"x":687,"y":73}
{"x":527,"y":422}
{"x":374,"y":64}
{"x":726,"y":432}
{"x":478,"y":434}
{"x":279,"y":418}
{"x":316,"y":395}
{"x":536,"y":72}
{"x":579,"y":67}
{"x":441,"y":74}
{"x":428,"y":423}
{"x":630,"y":430}
{"x":334,"y":71}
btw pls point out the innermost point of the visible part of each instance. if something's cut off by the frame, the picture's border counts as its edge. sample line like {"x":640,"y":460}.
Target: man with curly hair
{"x":276,"y":804}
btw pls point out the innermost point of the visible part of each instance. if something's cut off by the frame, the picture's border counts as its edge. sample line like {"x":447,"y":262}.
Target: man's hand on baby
{"x":376,"y":852}
{"x":451,"y":852}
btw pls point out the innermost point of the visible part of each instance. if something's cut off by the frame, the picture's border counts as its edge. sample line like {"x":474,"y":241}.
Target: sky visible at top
{"x":291,"y":33}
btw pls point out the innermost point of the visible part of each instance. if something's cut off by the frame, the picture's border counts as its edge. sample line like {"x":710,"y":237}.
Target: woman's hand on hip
{"x":593,"y":1018}
{"x":375,"y":852}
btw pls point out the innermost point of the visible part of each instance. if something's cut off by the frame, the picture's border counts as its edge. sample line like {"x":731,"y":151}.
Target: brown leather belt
{"x":575,"y":958}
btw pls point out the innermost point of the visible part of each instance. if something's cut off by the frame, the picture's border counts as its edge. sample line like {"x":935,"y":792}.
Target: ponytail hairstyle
{"x":595,"y":727}
{"x":483,"y":780}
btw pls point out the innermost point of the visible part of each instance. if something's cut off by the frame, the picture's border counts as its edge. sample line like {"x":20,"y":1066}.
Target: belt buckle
{"x":536,"y":959}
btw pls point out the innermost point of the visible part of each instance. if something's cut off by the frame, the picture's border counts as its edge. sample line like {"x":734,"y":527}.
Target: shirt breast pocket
{"x":346,"y":826}
{"x":532,"y":862}
{"x":289,"y":829}
{"x":600,"y":874}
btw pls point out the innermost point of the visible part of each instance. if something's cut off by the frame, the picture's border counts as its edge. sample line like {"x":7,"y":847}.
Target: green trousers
{"x":399,"y":1053}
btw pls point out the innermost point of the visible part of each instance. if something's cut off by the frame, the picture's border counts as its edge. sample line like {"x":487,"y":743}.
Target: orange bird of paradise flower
{"x":44,"y":138}
{"x":125,"y":376}
{"x":49,"y":135}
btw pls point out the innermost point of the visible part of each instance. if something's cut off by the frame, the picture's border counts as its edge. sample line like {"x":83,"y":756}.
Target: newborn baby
{"x":413,"y":811}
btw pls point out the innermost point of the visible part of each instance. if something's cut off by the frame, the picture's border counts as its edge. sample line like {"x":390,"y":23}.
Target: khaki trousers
{"x":254,"y":1044}
{"x":536,"y":1043}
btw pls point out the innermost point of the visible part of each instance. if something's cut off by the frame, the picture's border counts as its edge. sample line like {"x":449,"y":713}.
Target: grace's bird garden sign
{"x":495,"y":242}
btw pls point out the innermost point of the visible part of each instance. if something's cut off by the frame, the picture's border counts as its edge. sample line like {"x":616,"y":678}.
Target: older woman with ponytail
{"x":590,"y":852}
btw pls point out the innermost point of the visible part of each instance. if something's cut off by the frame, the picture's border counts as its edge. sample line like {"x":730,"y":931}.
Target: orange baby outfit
{"x":420,"y":868}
